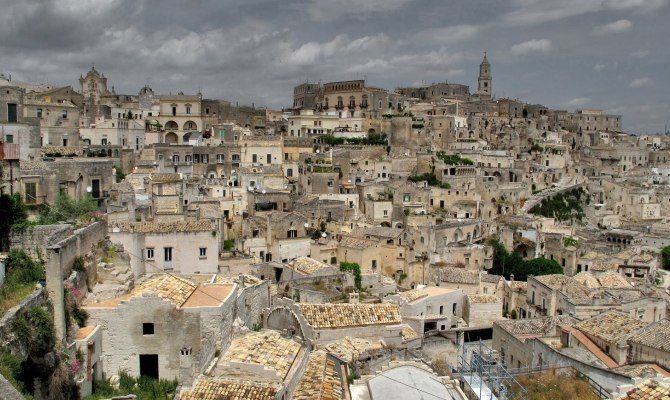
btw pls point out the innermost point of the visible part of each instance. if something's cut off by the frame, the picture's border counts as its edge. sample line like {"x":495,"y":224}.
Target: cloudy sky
{"x":610,"y":54}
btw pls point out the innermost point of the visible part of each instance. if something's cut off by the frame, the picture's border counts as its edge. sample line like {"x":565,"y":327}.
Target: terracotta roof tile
{"x":332,"y":316}
{"x":221,"y":388}
{"x":267,"y":348}
{"x":610,"y":326}
{"x":321,"y":379}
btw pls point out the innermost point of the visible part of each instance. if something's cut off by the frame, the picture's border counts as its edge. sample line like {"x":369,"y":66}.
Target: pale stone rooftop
{"x":426,"y":291}
{"x":483,"y":298}
{"x":321,"y":379}
{"x":332,"y":316}
{"x":201,"y":225}
{"x":267,"y":348}
{"x":458,"y":275}
{"x":307,"y":265}
{"x":165,"y":177}
{"x":610,"y":326}
{"x":356,"y":242}
{"x":656,"y":335}
{"x":534,"y":326}
{"x":179,"y":291}
{"x":349,"y":349}
{"x":409,"y":334}
{"x":221,"y":388}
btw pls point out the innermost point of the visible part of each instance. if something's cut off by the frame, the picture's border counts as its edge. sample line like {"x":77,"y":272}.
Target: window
{"x":64,"y":114}
{"x":12,"y":113}
{"x":188,"y":109}
{"x":31,"y":192}
{"x":289,"y":172}
{"x":167,"y":253}
{"x":441,"y":310}
{"x":453,"y":308}
{"x":185,"y":351}
{"x":220,"y":158}
{"x":9,"y":138}
{"x":148,"y":328}
{"x":150,"y":253}
{"x":293,"y":233}
{"x":269,"y":158}
{"x":374,"y":265}
{"x":386,"y":213}
{"x":39,"y":113}
{"x":203,"y":252}
{"x":254,"y":158}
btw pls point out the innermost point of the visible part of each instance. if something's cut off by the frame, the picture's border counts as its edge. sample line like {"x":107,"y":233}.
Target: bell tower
{"x":484,"y":88}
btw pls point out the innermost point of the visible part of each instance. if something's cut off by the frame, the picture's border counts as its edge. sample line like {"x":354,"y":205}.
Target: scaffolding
{"x":484,"y":375}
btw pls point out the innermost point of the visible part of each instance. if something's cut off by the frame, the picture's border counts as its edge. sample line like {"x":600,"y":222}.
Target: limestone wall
{"x":7,"y":391}
{"x":8,"y":340}
{"x":35,"y":239}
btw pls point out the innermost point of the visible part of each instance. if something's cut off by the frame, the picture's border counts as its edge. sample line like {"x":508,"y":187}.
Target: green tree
{"x":354,"y":269}
{"x":506,"y":264}
{"x":665,"y":257}
{"x":119,"y":174}
{"x":12,"y":212}
{"x":67,"y":209}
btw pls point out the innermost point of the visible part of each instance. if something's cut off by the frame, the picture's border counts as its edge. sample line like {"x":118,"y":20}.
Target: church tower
{"x":484,"y":88}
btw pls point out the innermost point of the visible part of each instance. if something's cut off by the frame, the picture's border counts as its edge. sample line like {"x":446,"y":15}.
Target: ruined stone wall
{"x":8,"y":339}
{"x":34,"y":240}
{"x":251,"y":301}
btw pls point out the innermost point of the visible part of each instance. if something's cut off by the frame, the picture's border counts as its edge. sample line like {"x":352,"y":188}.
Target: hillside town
{"x":362,"y":243}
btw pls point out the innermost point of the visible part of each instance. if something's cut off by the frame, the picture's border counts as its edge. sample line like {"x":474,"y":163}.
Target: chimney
{"x":55,"y":290}
{"x":353,"y":298}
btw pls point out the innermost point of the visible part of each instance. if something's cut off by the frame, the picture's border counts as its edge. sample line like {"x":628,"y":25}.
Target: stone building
{"x":166,"y":327}
{"x":650,"y":344}
{"x":185,"y":247}
{"x":428,"y":308}
{"x":43,"y":181}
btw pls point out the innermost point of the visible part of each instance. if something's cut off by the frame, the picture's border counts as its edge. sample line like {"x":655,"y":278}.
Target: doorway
{"x":149,"y":365}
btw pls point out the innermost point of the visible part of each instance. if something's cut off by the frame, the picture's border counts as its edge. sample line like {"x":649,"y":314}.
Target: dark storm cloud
{"x":562,"y":53}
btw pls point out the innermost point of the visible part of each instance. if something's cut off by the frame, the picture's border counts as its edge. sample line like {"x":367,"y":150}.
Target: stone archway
{"x":171,"y":137}
{"x":281,"y":318}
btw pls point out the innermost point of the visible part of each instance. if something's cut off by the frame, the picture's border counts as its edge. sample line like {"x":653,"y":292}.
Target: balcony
{"x":352,"y":106}
{"x":339,"y":106}
{"x":364,"y":105}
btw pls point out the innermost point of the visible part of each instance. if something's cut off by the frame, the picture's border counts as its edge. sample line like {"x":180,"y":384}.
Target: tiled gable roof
{"x":321,"y":379}
{"x":331,"y":316}
{"x":219,"y":388}
{"x":656,"y":335}
{"x":267,"y":348}
{"x":610,"y":326}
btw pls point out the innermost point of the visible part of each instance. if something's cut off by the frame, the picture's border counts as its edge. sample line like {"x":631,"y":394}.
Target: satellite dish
{"x":116,"y":229}
{"x":318,"y":151}
{"x":89,"y":189}
{"x":251,"y":188}
{"x":263,"y":191}
{"x":323,"y":234}
{"x":306,"y":225}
